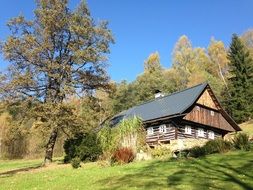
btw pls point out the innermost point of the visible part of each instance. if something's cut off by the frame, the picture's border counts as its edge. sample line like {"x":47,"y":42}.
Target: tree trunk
{"x":50,"y":147}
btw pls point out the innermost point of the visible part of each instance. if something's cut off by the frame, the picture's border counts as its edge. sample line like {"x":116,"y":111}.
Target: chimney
{"x":158,"y":94}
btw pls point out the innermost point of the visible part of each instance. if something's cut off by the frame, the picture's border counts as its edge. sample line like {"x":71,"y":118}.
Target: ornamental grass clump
{"x":127,"y":133}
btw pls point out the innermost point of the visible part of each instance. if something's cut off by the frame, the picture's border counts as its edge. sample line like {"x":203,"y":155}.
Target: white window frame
{"x":212,"y":113}
{"x":188,"y":130}
{"x":162,"y":128}
{"x":201,"y":132}
{"x":150,"y":131}
{"x":210,"y":134}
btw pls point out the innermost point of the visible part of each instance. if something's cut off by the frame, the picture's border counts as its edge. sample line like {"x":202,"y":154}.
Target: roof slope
{"x":172,"y":104}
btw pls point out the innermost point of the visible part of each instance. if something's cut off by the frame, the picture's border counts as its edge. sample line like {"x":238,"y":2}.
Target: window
{"x":188,"y":130}
{"x":212,"y":113}
{"x":150,"y":131}
{"x":200,"y":132}
{"x":211,"y":135}
{"x":162,"y":129}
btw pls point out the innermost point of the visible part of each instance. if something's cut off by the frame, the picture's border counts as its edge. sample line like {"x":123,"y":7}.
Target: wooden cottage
{"x":193,"y":113}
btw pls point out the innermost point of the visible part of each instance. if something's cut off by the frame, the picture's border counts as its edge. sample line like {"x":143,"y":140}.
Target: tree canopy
{"x":60,"y":52}
{"x":240,"y":84}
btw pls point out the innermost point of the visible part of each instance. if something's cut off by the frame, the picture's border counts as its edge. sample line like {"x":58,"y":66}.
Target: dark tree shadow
{"x":11,"y":172}
{"x":218,"y":175}
{"x":196,"y":174}
{"x":14,"y":171}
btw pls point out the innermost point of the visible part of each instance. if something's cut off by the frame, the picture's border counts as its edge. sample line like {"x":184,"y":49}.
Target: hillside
{"x":247,"y":127}
{"x":232,"y":170}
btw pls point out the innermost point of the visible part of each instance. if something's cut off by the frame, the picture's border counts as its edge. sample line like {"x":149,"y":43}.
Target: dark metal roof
{"x":172,"y":104}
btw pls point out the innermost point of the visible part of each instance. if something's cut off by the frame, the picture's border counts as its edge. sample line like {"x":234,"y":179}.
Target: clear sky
{"x":141,"y":27}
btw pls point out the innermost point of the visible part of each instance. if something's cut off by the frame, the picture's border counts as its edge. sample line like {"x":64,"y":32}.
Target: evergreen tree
{"x":240,"y":84}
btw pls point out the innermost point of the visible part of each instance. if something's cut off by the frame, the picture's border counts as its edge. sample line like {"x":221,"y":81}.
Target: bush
{"x":159,"y":152}
{"x":123,"y":155}
{"x":85,"y":146}
{"x":241,"y":141}
{"x":197,"y":151}
{"x":76,"y":162}
{"x":213,"y":146}
{"x":217,"y":146}
{"x":182,"y":154}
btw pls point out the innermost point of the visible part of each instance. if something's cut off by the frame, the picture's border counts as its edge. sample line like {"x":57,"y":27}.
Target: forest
{"x":57,"y":84}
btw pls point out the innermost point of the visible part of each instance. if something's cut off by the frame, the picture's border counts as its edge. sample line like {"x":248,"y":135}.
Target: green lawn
{"x":8,"y":165}
{"x":247,"y":127}
{"x":232,"y":170}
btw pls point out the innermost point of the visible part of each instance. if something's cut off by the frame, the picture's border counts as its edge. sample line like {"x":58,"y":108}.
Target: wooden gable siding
{"x":203,"y":115}
{"x":206,"y":100}
{"x":161,"y":137}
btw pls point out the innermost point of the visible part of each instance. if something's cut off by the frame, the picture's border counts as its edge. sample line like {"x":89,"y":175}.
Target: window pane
{"x":150,"y":131}
{"x":188,"y":129}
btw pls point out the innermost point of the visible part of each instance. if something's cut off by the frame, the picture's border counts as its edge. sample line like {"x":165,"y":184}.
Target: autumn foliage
{"x":123,"y":155}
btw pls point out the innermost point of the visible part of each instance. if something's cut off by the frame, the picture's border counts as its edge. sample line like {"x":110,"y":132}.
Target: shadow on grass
{"x":13,"y":172}
{"x":217,"y":172}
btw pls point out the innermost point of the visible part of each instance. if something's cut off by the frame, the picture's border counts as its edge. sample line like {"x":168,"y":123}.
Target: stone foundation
{"x":183,"y":144}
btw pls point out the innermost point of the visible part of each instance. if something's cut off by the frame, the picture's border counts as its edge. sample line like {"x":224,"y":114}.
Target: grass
{"x":247,"y":127}
{"x":8,"y":165}
{"x":233,"y":170}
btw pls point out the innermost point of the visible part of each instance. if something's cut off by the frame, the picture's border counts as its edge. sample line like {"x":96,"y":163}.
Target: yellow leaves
{"x":153,"y":62}
{"x":217,"y":53}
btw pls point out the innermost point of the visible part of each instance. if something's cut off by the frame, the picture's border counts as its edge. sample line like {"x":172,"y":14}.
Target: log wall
{"x":158,"y":137}
{"x":194,"y":133}
{"x":177,"y":131}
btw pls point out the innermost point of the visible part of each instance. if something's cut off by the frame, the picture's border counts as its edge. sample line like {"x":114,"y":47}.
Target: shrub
{"x":123,"y":155}
{"x":217,"y":146}
{"x":76,"y":162}
{"x":182,"y":154}
{"x":213,"y":146}
{"x":85,"y":146}
{"x":159,"y":152}
{"x":241,"y":141}
{"x":197,"y":151}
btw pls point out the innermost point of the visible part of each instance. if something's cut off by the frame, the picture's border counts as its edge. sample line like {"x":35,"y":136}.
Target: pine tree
{"x":240,"y":84}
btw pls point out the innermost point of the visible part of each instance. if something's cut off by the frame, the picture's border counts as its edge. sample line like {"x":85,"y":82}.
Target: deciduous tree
{"x":58,"y":53}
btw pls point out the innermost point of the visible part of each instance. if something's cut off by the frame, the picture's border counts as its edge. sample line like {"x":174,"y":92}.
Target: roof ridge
{"x":170,"y":94}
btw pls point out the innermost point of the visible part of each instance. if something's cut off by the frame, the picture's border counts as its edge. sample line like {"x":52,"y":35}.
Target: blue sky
{"x":141,"y":27}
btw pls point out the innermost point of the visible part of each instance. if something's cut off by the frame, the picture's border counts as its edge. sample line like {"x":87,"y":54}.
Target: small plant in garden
{"x":241,"y":141}
{"x":123,"y":156}
{"x":76,"y":162}
{"x":160,"y":151}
